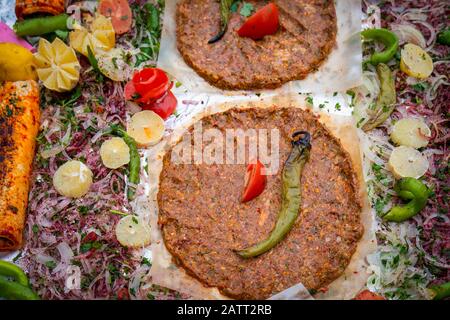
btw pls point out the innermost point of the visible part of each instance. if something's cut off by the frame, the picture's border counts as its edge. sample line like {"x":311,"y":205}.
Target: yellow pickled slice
{"x":133,"y":232}
{"x":415,"y":62}
{"x":411,"y":132}
{"x":407,"y":162}
{"x":113,"y":65}
{"x":16,"y":63}
{"x":115,"y":153}
{"x":146,"y":127}
{"x":73,"y":179}
{"x":57,"y":65}
{"x":100,"y":37}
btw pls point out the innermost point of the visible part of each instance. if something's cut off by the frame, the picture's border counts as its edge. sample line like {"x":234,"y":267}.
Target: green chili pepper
{"x":41,"y":25}
{"x":441,"y":291}
{"x":15,"y":291}
{"x":134,"y":167}
{"x":8,"y":269}
{"x":385,"y":103}
{"x":444,"y":37}
{"x":225,"y":6}
{"x":408,"y":189}
{"x":291,"y":196}
{"x":387,"y":38}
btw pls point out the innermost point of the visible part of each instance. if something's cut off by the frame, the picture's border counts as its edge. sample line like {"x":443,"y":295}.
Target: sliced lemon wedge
{"x":99,"y":38}
{"x":57,"y":65}
{"x":113,"y":65}
{"x":73,"y":179}
{"x":115,"y":153}
{"x":407,"y":162}
{"x":411,"y":132}
{"x":133,"y":232}
{"x":415,"y":62}
{"x":146,"y":127}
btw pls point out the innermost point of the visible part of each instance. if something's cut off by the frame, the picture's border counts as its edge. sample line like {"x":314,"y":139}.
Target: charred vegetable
{"x":291,"y":195}
{"x":387,"y":38}
{"x":385,"y":103}
{"x":408,"y":189}
{"x":225,"y":6}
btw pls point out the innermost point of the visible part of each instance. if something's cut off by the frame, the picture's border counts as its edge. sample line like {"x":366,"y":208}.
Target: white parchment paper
{"x":341,"y":71}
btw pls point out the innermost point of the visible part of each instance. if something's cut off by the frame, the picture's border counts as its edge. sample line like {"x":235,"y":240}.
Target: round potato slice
{"x":411,"y":132}
{"x":146,"y":127}
{"x":133,"y":232}
{"x":114,"y":153}
{"x":407,"y":162}
{"x":415,"y":62}
{"x":73,"y":179}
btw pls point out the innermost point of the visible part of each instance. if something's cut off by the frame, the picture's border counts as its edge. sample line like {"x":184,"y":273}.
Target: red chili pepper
{"x":264,"y":22}
{"x":255,"y":181}
{"x":164,"y":107}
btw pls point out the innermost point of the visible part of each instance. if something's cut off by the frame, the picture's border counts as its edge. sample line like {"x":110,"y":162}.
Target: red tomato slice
{"x":130,"y":91}
{"x":123,"y":294}
{"x":164,"y":108}
{"x":367,"y":295}
{"x":120,"y":13}
{"x":150,"y":84}
{"x":255,"y":181}
{"x":264,"y":22}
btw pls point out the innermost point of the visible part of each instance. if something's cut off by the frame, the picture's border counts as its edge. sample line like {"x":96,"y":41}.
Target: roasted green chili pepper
{"x":408,"y":189}
{"x":385,"y":103}
{"x":41,"y":25}
{"x":444,"y":37}
{"x":225,"y":6}
{"x":8,"y":269}
{"x":291,"y":195}
{"x":440,"y":291}
{"x":134,"y":167}
{"x":15,"y":291}
{"x":387,"y":38}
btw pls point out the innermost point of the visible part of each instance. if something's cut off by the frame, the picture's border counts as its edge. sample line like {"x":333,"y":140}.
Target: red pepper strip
{"x":255,"y":181}
{"x":264,"y":22}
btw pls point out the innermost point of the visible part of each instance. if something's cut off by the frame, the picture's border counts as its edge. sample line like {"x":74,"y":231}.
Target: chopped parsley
{"x":247,"y":9}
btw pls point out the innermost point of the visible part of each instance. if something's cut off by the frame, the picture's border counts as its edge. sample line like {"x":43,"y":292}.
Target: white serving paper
{"x":341,"y":71}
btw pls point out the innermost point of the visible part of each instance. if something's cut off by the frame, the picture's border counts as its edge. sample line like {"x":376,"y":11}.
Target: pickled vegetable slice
{"x":73,"y":179}
{"x":133,"y":232}
{"x":407,"y":162}
{"x":115,"y":153}
{"x":146,"y":127}
{"x":411,"y":132}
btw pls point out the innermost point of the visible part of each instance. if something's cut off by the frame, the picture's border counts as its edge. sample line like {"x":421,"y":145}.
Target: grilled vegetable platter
{"x":81,"y":100}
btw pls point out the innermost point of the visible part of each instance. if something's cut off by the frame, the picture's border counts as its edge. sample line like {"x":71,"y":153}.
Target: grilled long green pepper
{"x":408,"y":189}
{"x":134,"y":167}
{"x":291,"y":195}
{"x":225,"y":12}
{"x":385,"y":103}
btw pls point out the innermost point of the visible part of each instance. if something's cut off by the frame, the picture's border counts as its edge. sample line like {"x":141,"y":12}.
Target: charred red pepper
{"x":255,"y":181}
{"x":264,"y":22}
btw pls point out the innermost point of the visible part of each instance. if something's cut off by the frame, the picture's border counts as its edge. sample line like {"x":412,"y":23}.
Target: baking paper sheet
{"x":341,"y":71}
{"x":165,"y":273}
